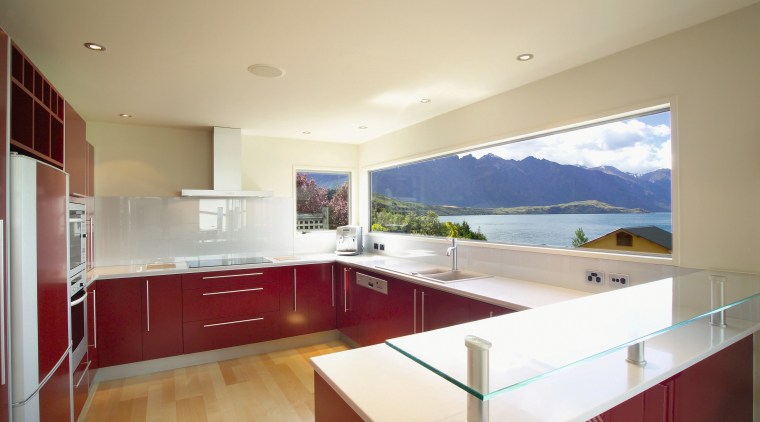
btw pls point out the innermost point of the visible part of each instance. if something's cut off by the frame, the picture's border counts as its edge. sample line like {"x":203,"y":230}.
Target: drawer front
{"x":229,"y":301}
{"x":227,"y":332}
{"x":234,"y":279}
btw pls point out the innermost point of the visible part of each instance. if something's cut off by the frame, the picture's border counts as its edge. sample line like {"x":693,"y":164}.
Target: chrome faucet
{"x":452,"y":252}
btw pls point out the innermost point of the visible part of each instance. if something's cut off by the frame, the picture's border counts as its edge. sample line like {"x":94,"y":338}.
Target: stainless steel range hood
{"x":227,"y":173}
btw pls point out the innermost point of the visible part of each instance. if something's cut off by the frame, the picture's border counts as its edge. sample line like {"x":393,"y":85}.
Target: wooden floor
{"x":271,"y":387}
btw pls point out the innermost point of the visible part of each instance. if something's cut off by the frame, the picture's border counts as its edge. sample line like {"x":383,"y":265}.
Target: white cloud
{"x":632,"y":146}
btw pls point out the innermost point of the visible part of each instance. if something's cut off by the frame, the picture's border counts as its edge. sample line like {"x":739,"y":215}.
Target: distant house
{"x":649,"y":239}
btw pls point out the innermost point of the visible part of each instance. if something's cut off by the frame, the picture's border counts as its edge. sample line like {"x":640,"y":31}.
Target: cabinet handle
{"x":228,"y":276}
{"x":332,"y":285}
{"x":423,"y":313}
{"x":232,"y":291}
{"x":86,"y":368}
{"x":147,"y":301}
{"x":295,"y":289}
{"x":414,"y":320}
{"x":232,"y":322}
{"x":95,"y":317}
{"x":80,"y":300}
{"x":346,"y":285}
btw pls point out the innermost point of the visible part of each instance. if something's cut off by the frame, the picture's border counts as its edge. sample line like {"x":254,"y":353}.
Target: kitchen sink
{"x":437,"y":274}
{"x":451,"y":276}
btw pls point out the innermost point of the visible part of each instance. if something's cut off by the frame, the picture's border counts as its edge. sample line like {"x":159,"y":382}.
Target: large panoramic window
{"x":321,"y":200}
{"x":605,"y":186}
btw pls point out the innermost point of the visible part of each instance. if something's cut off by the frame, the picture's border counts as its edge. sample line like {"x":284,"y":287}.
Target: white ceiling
{"x":348,"y":63}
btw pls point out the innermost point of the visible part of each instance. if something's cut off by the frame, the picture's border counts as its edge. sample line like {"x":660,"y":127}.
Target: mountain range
{"x":494,"y":182}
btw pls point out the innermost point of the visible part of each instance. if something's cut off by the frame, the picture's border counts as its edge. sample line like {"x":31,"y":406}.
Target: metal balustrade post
{"x":477,"y":377}
{"x":717,"y":300}
{"x":636,"y":354}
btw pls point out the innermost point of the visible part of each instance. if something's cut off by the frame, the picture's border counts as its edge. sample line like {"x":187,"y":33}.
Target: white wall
{"x":133,"y":160}
{"x":710,"y":75}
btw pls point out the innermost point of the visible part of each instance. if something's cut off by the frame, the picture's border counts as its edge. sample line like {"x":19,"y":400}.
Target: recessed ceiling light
{"x":362,"y":127}
{"x":125,"y":115}
{"x":524,"y":57}
{"x":306,"y":132}
{"x":94,"y":46}
{"x":266,"y":70}
{"x":425,"y":100}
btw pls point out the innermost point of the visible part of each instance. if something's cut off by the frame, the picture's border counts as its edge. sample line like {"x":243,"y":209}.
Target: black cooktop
{"x":220,"y":262}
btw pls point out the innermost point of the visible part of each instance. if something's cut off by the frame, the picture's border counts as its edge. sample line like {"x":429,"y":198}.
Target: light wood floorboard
{"x":277,"y":386}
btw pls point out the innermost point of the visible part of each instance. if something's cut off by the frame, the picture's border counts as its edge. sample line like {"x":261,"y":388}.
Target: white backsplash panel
{"x":141,"y":230}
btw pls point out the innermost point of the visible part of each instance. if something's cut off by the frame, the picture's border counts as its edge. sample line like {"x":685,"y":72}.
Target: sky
{"x":637,"y":145}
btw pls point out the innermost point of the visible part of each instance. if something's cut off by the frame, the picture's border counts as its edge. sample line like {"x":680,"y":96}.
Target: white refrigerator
{"x":39,"y":291}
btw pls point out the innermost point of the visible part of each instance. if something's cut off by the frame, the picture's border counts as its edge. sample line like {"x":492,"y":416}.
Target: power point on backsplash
{"x":376,"y":246}
{"x":382,"y":247}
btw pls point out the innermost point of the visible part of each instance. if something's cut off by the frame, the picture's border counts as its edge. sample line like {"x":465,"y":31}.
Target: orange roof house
{"x":648,"y":239}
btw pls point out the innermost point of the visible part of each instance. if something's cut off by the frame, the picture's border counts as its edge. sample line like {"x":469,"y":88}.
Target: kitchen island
{"x":568,"y":361}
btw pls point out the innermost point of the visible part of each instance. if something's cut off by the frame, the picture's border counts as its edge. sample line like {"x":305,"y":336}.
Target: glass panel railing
{"x":530,"y":345}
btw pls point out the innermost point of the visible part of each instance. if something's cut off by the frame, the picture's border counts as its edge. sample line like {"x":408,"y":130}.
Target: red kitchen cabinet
{"x":81,"y":386}
{"x":55,"y":395}
{"x":231,"y":308}
{"x":119,"y":326}
{"x":323,"y":303}
{"x":307,"y":302}
{"x":76,"y":152}
{"x":482,"y":310}
{"x":717,"y":388}
{"x":162,"y":317}
{"x":439,"y":309}
{"x":345,"y":277}
{"x":294,"y":307}
{"x":229,"y":331}
{"x":123,"y":332}
{"x":368,"y":316}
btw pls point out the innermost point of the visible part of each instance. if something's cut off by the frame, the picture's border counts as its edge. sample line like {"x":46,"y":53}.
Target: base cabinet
{"x":717,"y":388}
{"x":138,"y":318}
{"x":231,"y":308}
{"x":368,"y":316}
{"x":162,"y":316}
{"x":307,"y":300}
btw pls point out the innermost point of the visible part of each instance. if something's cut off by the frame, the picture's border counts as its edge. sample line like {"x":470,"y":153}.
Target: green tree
{"x":580,"y":237}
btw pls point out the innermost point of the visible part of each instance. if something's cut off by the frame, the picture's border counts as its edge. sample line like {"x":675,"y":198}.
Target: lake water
{"x":556,"y":229}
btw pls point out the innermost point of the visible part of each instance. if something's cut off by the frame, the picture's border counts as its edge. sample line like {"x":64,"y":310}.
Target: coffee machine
{"x":348,"y":240}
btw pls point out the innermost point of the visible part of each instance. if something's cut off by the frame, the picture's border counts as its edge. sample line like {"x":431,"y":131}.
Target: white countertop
{"x":508,"y":292}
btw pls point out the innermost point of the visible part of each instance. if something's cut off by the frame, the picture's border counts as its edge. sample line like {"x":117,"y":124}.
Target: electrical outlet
{"x":595,"y":277}
{"x":375,"y":245}
{"x":619,"y":280}
{"x":382,"y":247}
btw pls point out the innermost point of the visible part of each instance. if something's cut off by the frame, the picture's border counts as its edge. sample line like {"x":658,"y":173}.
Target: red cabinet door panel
{"x":52,"y":265}
{"x":440,"y":309}
{"x":55,"y":398}
{"x":718,"y":388}
{"x":227,"y":332}
{"x":119,"y":315}
{"x":226,"y":301}
{"x":233,"y":279}
{"x":162,"y":317}
{"x":323,"y":302}
{"x":81,"y":381}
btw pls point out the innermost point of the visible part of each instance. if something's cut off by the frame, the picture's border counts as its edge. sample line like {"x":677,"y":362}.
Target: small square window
{"x":322,"y":200}
{"x":624,"y":239}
